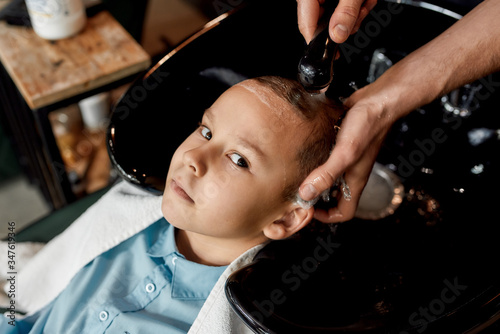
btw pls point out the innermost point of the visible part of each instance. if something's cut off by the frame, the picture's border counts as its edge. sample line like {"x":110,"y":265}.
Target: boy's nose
{"x":194,"y":160}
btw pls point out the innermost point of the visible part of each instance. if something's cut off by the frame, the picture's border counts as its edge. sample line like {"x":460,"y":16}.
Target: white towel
{"x":216,"y":316}
{"x":119,"y":214}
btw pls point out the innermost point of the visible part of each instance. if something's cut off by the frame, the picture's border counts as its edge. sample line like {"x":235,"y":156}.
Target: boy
{"x":232,"y":185}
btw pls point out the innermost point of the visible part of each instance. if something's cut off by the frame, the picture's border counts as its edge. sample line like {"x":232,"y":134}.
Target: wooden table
{"x":39,"y":76}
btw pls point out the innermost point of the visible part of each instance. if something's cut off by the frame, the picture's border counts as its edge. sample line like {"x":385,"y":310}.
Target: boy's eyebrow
{"x":242,"y":141}
{"x":208,"y":113}
{"x":251,"y":146}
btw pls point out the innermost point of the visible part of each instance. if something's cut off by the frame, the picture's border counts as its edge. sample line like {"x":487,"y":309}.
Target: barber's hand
{"x":358,"y":142}
{"x":345,"y":20}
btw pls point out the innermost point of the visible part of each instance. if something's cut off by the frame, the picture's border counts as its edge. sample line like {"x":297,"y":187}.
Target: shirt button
{"x":150,"y":287}
{"x":174,"y":259}
{"x":103,"y":316}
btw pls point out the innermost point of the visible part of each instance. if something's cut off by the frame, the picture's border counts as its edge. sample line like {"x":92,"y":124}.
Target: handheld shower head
{"x":315,"y":70}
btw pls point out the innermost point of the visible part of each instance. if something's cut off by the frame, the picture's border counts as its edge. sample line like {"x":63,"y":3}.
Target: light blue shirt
{"x":143,"y":285}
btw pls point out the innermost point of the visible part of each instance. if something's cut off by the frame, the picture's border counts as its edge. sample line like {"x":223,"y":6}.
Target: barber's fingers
{"x":355,"y":176}
{"x":308,"y":14}
{"x":324,"y":176}
{"x":353,"y":157}
{"x":347,"y":18}
{"x":355,"y":179}
{"x":349,"y":148}
{"x":344,"y":210}
{"x":363,"y":13}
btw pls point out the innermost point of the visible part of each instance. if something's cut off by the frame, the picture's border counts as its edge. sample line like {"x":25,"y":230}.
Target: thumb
{"x":320,"y":179}
{"x":344,"y":19}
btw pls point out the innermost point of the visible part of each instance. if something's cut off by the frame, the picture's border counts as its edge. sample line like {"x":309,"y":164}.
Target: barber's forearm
{"x":468,"y":50}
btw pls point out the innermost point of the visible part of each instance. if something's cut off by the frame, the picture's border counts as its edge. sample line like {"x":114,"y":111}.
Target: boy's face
{"x":226,"y":179}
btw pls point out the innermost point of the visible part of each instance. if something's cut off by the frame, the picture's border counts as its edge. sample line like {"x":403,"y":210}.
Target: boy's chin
{"x":171,"y":217}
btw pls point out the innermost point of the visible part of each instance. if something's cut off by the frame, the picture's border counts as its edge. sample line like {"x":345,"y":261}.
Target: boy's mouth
{"x":177,"y":188}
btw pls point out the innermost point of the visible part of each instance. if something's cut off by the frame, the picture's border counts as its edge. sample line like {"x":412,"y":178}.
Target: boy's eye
{"x":238,"y":160}
{"x":206,"y":133}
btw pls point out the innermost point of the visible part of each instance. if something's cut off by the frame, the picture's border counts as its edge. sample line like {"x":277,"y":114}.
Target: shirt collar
{"x":189,"y":279}
{"x":165,"y":244}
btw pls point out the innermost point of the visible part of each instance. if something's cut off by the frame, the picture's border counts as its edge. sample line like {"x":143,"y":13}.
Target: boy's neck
{"x":209,"y":251}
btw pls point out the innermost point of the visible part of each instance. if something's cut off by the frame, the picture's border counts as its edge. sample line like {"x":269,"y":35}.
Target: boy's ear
{"x":292,"y":222}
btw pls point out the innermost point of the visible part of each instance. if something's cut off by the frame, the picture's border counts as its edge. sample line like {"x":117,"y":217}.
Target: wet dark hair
{"x":321,"y":113}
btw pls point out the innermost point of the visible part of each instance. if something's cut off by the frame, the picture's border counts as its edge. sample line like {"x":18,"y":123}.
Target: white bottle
{"x":56,"y":19}
{"x":95,"y":111}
